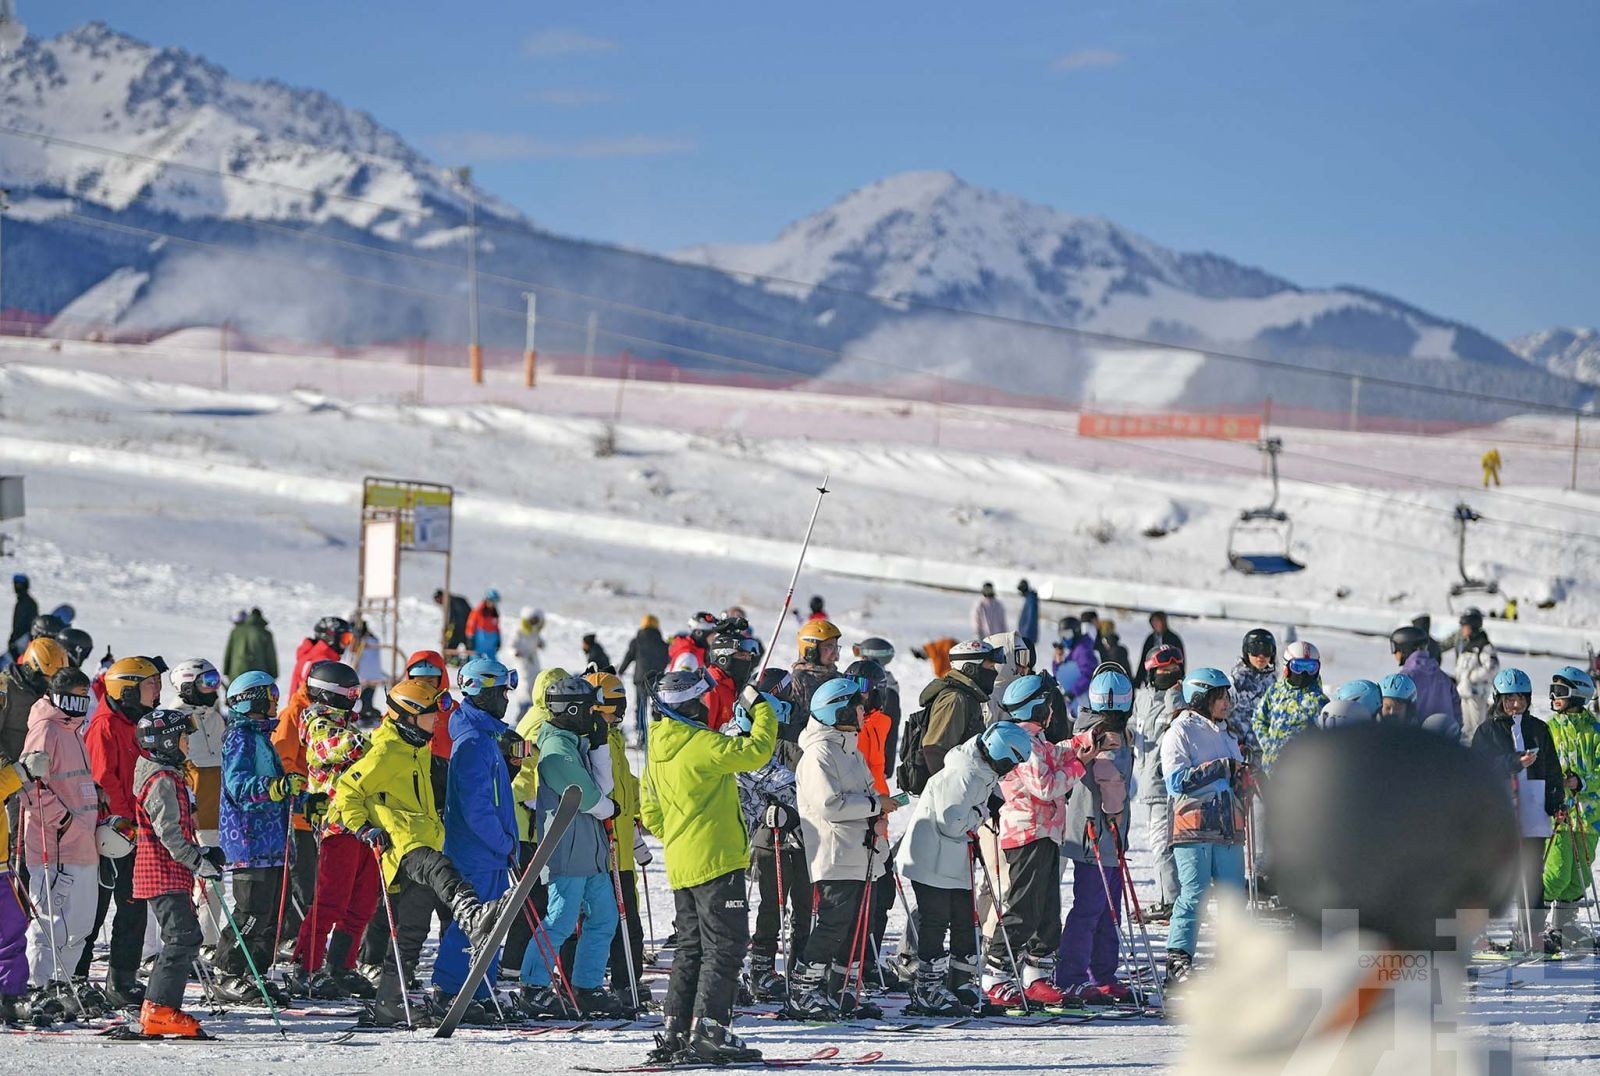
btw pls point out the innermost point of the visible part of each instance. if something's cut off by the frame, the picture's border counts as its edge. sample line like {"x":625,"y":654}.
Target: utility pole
{"x":474,"y":347}
{"x":588,"y":347}
{"x":5,"y":204}
{"x":530,"y":355}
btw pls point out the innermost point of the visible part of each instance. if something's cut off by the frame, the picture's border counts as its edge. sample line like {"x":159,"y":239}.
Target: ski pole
{"x":783,"y":905}
{"x":650,"y":914}
{"x":622,"y":916}
{"x":547,"y":952}
{"x":858,"y":949}
{"x":283,"y":888}
{"x":977,"y":929}
{"x":794,"y":580}
{"x":1138,"y":912}
{"x":49,"y":891}
{"x":1578,"y":841}
{"x":1131,"y":961}
{"x":1000,"y":927}
{"x":394,"y":937}
{"x":250,"y":961}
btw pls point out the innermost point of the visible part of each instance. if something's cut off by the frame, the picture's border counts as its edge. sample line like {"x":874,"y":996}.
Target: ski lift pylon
{"x":1259,"y":540}
{"x":1468,"y":585}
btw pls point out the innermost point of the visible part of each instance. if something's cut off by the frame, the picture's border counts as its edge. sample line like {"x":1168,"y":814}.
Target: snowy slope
{"x":1573,"y":353}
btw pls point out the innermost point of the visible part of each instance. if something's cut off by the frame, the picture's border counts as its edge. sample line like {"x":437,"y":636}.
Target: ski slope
{"x":159,"y":505}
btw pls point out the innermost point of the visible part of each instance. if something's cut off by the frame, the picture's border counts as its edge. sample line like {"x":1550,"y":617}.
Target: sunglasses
{"x":1305,"y":666}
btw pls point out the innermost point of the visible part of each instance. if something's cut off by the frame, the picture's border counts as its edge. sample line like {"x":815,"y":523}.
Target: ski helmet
{"x":812,"y":636}
{"x":1512,"y":682}
{"x":197,"y":681}
{"x":1006,"y":744}
{"x":975,"y":652}
{"x":725,"y":650}
{"x":610,"y":696}
{"x":491,"y":595}
{"x":43,"y":658}
{"x":1398,"y":686}
{"x":1407,"y":639}
{"x":1337,"y":713}
{"x":1016,"y":652}
{"x":78,"y":644}
{"x":69,"y":691}
{"x":570,"y":701}
{"x":1337,"y":844}
{"x":413,"y":698}
{"x":1201,"y":686}
{"x":333,"y":684}
{"x":1472,"y":618}
{"x":1163,"y":666}
{"x":111,"y":843}
{"x":1571,"y":682}
{"x":1027,"y":698}
{"x":46,"y":626}
{"x":122,"y":684}
{"x":875,"y":649}
{"x":425,"y":663}
{"x":1070,"y":630}
{"x":335,"y":631}
{"x":1363,"y":692}
{"x":873,"y":674}
{"x":1302,"y":663}
{"x":1259,"y":642}
{"x":834,"y":703}
{"x":484,"y":674}
{"x":159,"y":734}
{"x":1111,"y":692}
{"x":701,"y":625}
{"x":252,"y":694}
{"x":679,"y":695}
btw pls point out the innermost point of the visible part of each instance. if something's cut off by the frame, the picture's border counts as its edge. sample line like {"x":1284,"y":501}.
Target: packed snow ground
{"x":158,"y":508}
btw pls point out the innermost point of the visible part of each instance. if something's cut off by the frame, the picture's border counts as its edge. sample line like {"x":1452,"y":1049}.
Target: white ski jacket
{"x":934,"y":849}
{"x":838,"y":806}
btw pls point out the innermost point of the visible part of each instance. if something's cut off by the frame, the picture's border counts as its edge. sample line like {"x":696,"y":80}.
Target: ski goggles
{"x":1304,"y":666}
{"x":482,"y":681}
{"x":210,"y":680}
{"x":1559,"y":690}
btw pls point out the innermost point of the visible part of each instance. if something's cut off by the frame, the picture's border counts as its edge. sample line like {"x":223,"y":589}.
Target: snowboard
{"x":560,"y":822}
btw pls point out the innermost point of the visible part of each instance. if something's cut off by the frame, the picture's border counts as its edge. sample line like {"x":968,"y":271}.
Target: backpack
{"x":911,"y":769}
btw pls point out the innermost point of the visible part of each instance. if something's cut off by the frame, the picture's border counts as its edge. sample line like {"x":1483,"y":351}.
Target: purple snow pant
{"x":13,"y":938}
{"x":1088,"y":951}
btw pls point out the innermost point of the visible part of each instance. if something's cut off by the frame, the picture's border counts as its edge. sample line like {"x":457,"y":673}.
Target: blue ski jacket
{"x":253,"y":827}
{"x":480,"y":814}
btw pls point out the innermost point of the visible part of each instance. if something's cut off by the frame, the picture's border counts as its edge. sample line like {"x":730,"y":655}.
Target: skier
{"x":818,"y":644}
{"x":690,"y":800}
{"x":937,"y":855}
{"x":1569,"y":859}
{"x":1518,"y":745}
{"x":483,"y":626}
{"x":1290,"y":705}
{"x":817,"y":607}
{"x":1081,"y":661}
{"x":1161,"y":634}
{"x":1206,"y":778}
{"x":988,"y":615}
{"x":524,"y":789}
{"x":345,"y":890}
{"x":1435,"y":693}
{"x":955,"y":702}
{"x":24,"y":684}
{"x":168,"y":860}
{"x":132,"y":689}
{"x":59,"y":811}
{"x":1109,"y":646}
{"x":257,"y":796}
{"x":687,"y":651}
{"x":480,"y":816}
{"x":1028,"y":617}
{"x":573,"y":749}
{"x":22,"y":614}
{"x":456,"y":611}
{"x":198,"y":684}
{"x":30,"y":768}
{"x":843,"y":822}
{"x":386,"y":799}
{"x":1017,"y":660}
{"x":1032,"y":829}
{"x":627,"y":840}
{"x":78,"y":644}
{"x":1477,"y":662}
{"x":1252,"y":676}
{"x":647,"y":655}
{"x":250,"y":647}
{"x":1155,"y":706}
{"x":328,"y":641}
{"x":594,"y":655}
{"x":1413,"y":836}
{"x":1399,"y":700}
{"x":525,"y":647}
{"x":1491,"y":466}
{"x":1086,"y":959}
{"x":731,"y":658}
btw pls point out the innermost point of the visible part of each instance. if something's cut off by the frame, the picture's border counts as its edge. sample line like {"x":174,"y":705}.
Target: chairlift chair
{"x":1260,"y":539}
{"x":1468,"y":585}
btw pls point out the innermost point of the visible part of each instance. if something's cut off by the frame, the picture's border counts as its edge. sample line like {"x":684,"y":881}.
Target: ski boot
{"x":853,"y":1004}
{"x":1005,"y":994}
{"x":91,"y":998}
{"x":56,"y":999}
{"x":600,"y":1002}
{"x":325,"y":986}
{"x":711,"y":1042}
{"x":808,"y":995}
{"x":1038,"y":976}
{"x":296,"y":983}
{"x":477,"y":919}
{"x":372,"y":973}
{"x":765,"y":982}
{"x":1158,"y":913}
{"x":542,"y":1002}
{"x":672,"y":1042}
{"x":353,"y":983}
{"x":163,"y":1020}
{"x":964,"y":984}
{"x":882,"y":977}
{"x":15,"y":1012}
{"x":242,"y":990}
{"x":480,"y":1012}
{"x":123,"y":989}
{"x":1112,"y":993}
{"x":930,"y":996}
{"x":1179,"y":964}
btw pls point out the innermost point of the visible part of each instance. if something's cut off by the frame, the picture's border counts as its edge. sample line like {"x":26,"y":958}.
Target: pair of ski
{"x":127,"y":1033}
{"x":828,"y":1056}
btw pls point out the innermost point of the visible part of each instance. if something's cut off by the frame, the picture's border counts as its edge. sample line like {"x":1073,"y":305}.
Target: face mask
{"x":1163,"y":680}
{"x":984,"y":678}
{"x":492,"y":701}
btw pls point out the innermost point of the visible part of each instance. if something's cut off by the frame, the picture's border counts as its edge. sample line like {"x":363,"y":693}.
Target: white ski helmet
{"x":1300,"y":650}
{"x":113,"y":845}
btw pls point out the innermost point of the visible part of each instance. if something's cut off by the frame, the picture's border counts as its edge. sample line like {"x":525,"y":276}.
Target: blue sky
{"x":1445,"y":151}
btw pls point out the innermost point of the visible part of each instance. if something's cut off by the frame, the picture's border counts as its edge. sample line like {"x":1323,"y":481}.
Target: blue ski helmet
{"x":1027,"y":698}
{"x":1202,"y":682}
{"x":1398,"y":686}
{"x":1571,"y":682}
{"x":1512,"y":682}
{"x":1365,"y":692}
{"x":1111,"y":692}
{"x":491,"y":595}
{"x":252,"y":694}
{"x":1006,"y":741}
{"x":482,"y":673}
{"x":834,"y":700}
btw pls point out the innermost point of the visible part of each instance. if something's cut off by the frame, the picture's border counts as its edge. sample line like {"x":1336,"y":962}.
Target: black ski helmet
{"x":681,"y":694}
{"x":1259,"y":642}
{"x":725,"y":650}
{"x":870,"y":671}
{"x":1408,"y":639}
{"x":1402,"y":826}
{"x":875,"y":649}
{"x":335,"y":631}
{"x":334,"y":684}
{"x":46,"y":626}
{"x":570,"y":701}
{"x":158,"y":734}
{"x":77,"y":643}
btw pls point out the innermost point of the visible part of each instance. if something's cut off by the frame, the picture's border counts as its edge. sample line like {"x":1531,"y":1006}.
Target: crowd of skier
{"x":345,"y":831}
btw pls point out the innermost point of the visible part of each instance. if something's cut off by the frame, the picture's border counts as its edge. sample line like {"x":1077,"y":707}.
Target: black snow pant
{"x":941,"y":912}
{"x":1032,"y":918}
{"x":180,"y":945}
{"x":838,"y":911}
{"x":302,"y":882}
{"x":127,"y":925}
{"x":635,"y":928}
{"x":796,"y":892}
{"x":521,"y":933}
{"x":426,"y":880}
{"x":255,"y":908}
{"x":882,"y":902}
{"x":713,"y":932}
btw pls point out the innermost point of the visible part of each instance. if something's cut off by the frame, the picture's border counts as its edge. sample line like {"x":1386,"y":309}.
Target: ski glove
{"x":374,"y":837}
{"x":642,"y":856}
{"x":208,"y":870}
{"x":215,"y":856}
{"x":315,"y":808}
{"x":286,"y":787}
{"x":780,"y":817}
{"x":33,"y":766}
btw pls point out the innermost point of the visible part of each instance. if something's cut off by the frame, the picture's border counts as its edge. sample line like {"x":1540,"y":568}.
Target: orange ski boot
{"x":165,"y":1020}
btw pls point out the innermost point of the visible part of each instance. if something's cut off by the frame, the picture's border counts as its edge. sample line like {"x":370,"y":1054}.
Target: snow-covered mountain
{"x":153,"y":190}
{"x":1573,"y":353}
